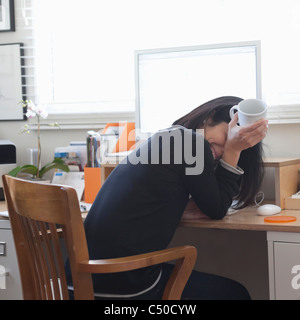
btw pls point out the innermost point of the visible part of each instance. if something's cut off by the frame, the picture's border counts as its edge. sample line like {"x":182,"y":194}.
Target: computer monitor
{"x":171,"y":82}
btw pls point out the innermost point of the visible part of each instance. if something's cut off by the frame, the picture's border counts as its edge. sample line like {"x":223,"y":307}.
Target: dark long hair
{"x":250,"y":159}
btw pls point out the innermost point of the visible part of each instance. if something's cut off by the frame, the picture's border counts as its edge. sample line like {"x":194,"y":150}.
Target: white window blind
{"x":79,"y":54}
{"x":25,"y":25}
{"x":24,"y":35}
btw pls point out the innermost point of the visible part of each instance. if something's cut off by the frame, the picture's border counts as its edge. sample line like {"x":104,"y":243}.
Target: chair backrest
{"x":40,"y":215}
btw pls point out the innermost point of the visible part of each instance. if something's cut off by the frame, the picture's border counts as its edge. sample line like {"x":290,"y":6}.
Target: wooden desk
{"x":247,"y":219}
{"x":283,"y":240}
{"x":3,"y":206}
{"x":286,"y":177}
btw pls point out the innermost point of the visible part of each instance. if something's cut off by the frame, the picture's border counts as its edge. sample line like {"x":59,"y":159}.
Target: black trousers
{"x":205,"y":286}
{"x":200,"y":286}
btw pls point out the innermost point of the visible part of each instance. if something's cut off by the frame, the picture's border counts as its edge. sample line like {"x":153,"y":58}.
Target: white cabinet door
{"x":287,"y":270}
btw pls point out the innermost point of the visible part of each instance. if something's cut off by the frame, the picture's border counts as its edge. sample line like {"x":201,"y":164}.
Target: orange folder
{"x":92,"y":180}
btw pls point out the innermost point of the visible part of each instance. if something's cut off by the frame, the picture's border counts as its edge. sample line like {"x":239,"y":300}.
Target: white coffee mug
{"x":249,"y":111}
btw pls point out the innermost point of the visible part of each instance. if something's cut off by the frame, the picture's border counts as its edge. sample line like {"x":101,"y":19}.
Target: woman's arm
{"x":214,"y":189}
{"x":192,"y":211}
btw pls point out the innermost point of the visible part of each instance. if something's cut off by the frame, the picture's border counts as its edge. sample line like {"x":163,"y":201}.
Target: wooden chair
{"x":39,"y":214}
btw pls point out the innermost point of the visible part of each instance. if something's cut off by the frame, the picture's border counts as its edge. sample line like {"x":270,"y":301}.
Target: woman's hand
{"x":242,"y":138}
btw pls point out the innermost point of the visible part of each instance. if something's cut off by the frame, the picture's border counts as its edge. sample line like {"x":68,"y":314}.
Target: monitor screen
{"x":173,"y":81}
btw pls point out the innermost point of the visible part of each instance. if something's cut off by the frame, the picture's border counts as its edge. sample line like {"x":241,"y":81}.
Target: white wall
{"x":283,"y":140}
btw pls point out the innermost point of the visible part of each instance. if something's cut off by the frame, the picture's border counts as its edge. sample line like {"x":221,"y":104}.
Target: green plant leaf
{"x":14,"y":171}
{"x":28,"y":168}
{"x":55,"y":164}
{"x":59,"y":160}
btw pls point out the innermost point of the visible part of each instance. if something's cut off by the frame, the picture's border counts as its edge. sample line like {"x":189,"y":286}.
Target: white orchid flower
{"x":33,"y":110}
{"x":30,"y":109}
{"x":41,"y":110}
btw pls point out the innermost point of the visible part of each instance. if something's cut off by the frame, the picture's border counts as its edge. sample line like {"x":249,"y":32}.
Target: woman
{"x":142,"y":202}
{"x":250,"y":159}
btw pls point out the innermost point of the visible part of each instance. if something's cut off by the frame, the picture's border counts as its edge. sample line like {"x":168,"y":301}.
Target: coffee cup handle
{"x":231,"y":112}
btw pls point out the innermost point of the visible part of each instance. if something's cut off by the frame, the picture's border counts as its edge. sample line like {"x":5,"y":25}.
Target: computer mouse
{"x":268,"y":210}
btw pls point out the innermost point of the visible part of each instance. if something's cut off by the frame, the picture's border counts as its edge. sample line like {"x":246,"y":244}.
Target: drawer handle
{"x":3,"y":275}
{"x":2,"y":248}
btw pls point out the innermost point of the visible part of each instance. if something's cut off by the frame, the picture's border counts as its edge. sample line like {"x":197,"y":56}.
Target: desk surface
{"x":245,"y":219}
{"x":2,"y":206}
{"x":280,"y":162}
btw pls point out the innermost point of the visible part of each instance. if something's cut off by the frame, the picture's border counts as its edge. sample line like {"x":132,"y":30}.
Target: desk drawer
{"x":10,"y":283}
{"x":287,"y":270}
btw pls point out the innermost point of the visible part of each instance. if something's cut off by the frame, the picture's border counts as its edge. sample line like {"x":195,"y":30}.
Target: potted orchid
{"x":36,"y":171}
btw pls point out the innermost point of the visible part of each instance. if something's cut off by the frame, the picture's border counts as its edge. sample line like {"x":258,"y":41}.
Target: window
{"x":84,"y":50}
{"x":172,"y":81}
{"x":83,"y":64}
